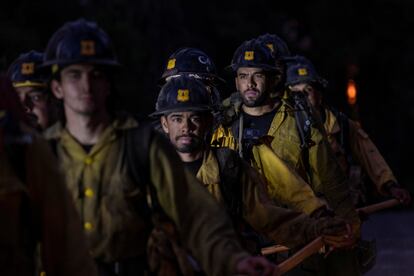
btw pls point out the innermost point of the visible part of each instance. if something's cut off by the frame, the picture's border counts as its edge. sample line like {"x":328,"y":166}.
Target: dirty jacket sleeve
{"x":328,"y":178}
{"x":368,"y":155}
{"x":64,"y":248}
{"x":287,"y":227}
{"x":203,"y":225}
{"x":283,"y":183}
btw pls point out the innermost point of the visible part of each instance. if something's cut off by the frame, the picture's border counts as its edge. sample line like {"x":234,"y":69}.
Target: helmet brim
{"x":216,"y":80}
{"x":232,"y":68}
{"x":60,"y":63}
{"x":161,"y":112}
{"x":321,"y":81}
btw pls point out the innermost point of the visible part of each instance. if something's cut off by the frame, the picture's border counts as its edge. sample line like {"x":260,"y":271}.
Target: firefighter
{"x":350,"y":143}
{"x":184,"y":108}
{"x":195,"y":63}
{"x":285,"y":187}
{"x":121,"y":174}
{"x":36,"y":207}
{"x":289,"y":130}
{"x":30,"y":84}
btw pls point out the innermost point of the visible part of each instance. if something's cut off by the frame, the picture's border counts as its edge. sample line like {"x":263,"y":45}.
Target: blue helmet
{"x":300,"y":70}
{"x":192,"y":62}
{"x":79,"y":41}
{"x":24,"y":71}
{"x":182,"y":94}
{"x":253,"y":53}
{"x":276,"y":45}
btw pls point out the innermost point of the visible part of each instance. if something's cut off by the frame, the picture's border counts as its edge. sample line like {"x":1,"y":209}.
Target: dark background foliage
{"x":369,"y":41}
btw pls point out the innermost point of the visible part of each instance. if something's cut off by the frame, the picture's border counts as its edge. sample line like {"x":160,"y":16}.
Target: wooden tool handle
{"x":274,"y":249}
{"x":379,"y":206}
{"x":302,"y":254}
{"x":317,"y":243}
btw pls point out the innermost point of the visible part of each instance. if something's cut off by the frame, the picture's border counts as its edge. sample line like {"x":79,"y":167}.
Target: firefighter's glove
{"x":335,"y":232}
{"x":344,"y":239}
{"x":401,"y":194}
{"x":322,"y":212}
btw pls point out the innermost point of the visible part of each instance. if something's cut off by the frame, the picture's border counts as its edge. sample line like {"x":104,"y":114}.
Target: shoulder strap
{"x":138,"y":141}
{"x":304,"y":122}
{"x":230,"y":167}
{"x":343,"y":135}
{"x":303,"y":116}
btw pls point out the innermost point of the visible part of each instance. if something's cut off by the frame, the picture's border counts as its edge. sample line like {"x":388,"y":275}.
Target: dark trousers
{"x":338,"y":263}
{"x":128,"y":267}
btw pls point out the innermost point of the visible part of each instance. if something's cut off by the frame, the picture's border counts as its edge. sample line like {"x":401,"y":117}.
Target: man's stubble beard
{"x":257,"y":102}
{"x":195,"y":146}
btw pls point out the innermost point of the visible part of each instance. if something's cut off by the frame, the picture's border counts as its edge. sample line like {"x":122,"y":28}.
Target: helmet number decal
{"x":249,"y":55}
{"x":27,"y":68}
{"x":204,"y":60}
{"x":183,"y":95}
{"x":88,"y":48}
{"x":270,"y":46}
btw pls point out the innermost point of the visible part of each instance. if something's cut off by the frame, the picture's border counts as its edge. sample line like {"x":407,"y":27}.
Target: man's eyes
{"x":256,"y":75}
{"x":75,"y":75}
{"x":195,"y":119}
{"x":37,"y":97}
{"x":97,"y":74}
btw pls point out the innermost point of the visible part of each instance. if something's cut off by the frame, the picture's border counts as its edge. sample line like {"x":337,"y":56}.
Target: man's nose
{"x":27,"y":104}
{"x":86,"y":82}
{"x":251,"y":82}
{"x":188,"y":126}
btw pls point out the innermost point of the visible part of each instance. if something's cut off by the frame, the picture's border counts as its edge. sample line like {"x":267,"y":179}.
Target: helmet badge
{"x":249,"y":55}
{"x":171,"y":64}
{"x":183,"y":95}
{"x":302,"y":72}
{"x":88,"y":48}
{"x":27,"y":68}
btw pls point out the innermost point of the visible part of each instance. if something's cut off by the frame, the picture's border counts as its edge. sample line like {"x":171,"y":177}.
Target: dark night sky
{"x":373,"y":37}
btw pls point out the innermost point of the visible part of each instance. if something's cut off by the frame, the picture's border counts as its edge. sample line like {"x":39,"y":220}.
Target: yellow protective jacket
{"x":35,"y":207}
{"x":279,"y":224}
{"x":284,"y":185}
{"x":363,"y":151}
{"x":106,"y":198}
{"x":324,"y":175}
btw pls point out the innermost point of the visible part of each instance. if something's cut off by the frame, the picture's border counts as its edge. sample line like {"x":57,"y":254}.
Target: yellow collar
{"x":58,"y":132}
{"x":331,"y":124}
{"x":209,"y":170}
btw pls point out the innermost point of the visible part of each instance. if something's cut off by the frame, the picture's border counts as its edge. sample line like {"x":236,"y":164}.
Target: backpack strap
{"x":138,"y":141}
{"x":230,"y":168}
{"x":343,"y":135}
{"x":304,"y":122}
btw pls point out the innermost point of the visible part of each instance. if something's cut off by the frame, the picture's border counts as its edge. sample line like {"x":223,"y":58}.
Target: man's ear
{"x":236,"y":84}
{"x":277,"y":79}
{"x":56,"y":89}
{"x":164,"y":124}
